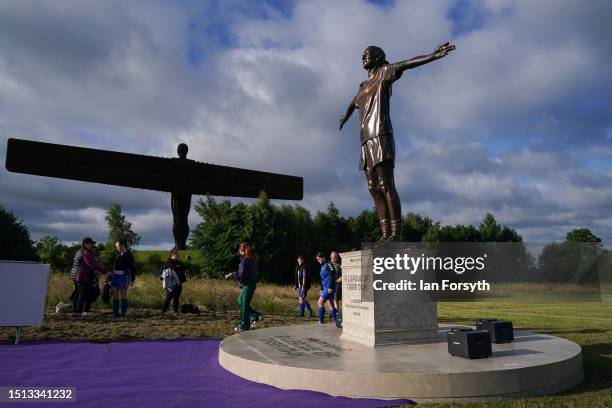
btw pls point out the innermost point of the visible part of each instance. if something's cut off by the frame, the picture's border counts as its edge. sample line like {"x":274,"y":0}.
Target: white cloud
{"x":494,"y":127}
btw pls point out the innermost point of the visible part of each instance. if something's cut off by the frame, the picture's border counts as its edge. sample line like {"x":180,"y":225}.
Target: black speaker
{"x":469,"y":343}
{"x":501,"y":330}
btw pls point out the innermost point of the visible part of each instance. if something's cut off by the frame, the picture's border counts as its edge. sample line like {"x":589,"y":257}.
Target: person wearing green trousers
{"x":246,"y":276}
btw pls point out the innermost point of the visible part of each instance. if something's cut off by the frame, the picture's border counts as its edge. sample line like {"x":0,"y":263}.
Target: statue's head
{"x":373,"y":57}
{"x":182,"y":150}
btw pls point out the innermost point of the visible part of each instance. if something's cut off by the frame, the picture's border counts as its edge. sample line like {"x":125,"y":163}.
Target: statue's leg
{"x":386,"y":186}
{"x":181,"y":204}
{"x":185,"y":221}
{"x":379,"y":202}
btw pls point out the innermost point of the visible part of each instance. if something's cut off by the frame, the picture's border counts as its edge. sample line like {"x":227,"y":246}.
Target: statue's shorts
{"x":376,"y":150}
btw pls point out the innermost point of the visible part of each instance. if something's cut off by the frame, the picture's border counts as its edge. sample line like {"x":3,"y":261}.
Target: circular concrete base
{"x":312,"y":357}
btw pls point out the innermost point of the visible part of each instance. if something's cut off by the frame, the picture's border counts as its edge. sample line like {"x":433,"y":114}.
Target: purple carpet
{"x":181,"y":373}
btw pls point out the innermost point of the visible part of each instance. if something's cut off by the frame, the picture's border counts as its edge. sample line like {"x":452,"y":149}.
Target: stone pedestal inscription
{"x":296,"y":347}
{"x":381,"y":317}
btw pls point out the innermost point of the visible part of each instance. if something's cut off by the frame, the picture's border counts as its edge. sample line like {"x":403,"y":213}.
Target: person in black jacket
{"x":336,"y":263}
{"x":123,"y":275}
{"x":174,"y":293}
{"x":302,"y":284}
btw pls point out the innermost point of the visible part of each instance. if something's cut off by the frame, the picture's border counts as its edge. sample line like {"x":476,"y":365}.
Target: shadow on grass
{"x":597,"y":359}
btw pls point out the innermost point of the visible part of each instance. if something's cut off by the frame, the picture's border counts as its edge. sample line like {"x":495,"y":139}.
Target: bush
{"x":15,"y":244}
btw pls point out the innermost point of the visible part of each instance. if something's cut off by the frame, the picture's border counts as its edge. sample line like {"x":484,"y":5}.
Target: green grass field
{"x":587,"y":323}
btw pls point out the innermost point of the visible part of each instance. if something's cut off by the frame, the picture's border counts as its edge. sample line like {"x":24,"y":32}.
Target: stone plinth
{"x":313,"y":357}
{"x":382,"y":317}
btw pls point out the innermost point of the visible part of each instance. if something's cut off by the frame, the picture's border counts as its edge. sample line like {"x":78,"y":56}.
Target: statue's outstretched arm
{"x":440,"y":52}
{"x":349,"y":111}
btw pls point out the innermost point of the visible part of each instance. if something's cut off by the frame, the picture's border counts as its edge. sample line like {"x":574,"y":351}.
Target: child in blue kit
{"x":328,"y":284}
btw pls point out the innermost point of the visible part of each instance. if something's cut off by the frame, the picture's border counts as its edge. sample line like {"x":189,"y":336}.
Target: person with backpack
{"x":174,"y":274}
{"x":302,"y":284}
{"x":86,"y":276}
{"x":246,"y":276}
{"x":328,"y":285}
{"x":75,"y":265}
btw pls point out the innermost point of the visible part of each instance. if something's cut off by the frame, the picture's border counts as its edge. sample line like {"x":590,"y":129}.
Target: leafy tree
{"x":557,"y":262}
{"x":577,"y":259}
{"x":432,"y":234}
{"x":332,"y":231}
{"x":581,"y":235}
{"x":294,"y":228}
{"x":49,"y":250}
{"x":364,"y":228}
{"x":589,"y":251}
{"x":491,"y":231}
{"x":15,"y":244}
{"x":119,"y":227}
{"x":222,"y":228}
{"x":459,"y":233}
{"x":415,"y":227}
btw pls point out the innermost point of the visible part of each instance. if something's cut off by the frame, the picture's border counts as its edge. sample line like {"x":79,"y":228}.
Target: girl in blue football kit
{"x":328,"y":288}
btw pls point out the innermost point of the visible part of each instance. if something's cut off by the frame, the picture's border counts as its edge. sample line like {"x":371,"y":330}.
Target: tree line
{"x":278,"y":233}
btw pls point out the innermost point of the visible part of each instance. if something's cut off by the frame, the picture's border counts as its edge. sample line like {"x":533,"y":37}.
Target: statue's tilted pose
{"x":377,"y":143}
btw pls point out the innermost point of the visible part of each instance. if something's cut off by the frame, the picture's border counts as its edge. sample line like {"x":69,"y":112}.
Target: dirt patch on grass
{"x":140,"y":324}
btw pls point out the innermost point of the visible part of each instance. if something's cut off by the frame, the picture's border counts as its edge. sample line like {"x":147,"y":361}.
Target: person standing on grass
{"x":123,"y":276}
{"x":73,"y":271}
{"x":86,"y":276}
{"x":336,"y":263}
{"x":246,"y":276}
{"x":328,"y":285}
{"x":302,"y":284}
{"x":173,"y":293}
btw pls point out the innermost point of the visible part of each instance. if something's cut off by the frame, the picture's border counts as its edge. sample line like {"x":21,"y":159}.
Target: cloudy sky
{"x":516,"y":122}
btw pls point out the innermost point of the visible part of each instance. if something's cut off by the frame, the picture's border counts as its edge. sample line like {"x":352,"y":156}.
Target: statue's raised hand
{"x":443,"y":50}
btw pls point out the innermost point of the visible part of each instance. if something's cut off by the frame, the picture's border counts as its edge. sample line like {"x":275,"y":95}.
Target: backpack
{"x":169,"y":278}
{"x":189,"y":308}
{"x":106,"y":292}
